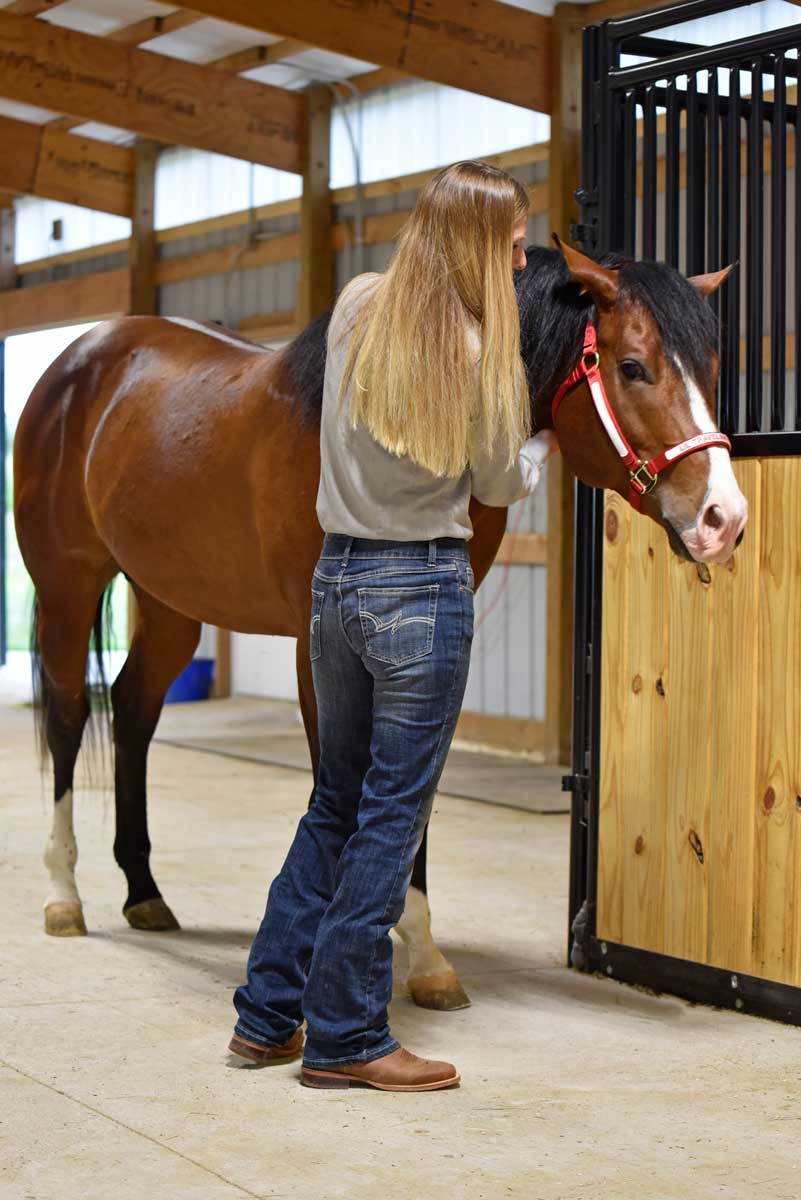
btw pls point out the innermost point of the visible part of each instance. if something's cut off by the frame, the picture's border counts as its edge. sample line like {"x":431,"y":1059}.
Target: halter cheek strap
{"x":643,"y":475}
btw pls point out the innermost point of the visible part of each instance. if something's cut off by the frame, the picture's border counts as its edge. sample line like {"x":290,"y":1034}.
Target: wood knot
{"x":636,"y":684}
{"x":696,"y":845}
{"x":612,"y":525}
{"x":702,"y":571}
{"x":650,"y":552}
{"x":769,"y":799}
{"x":639,"y":845}
{"x":798,"y":803}
{"x":660,"y":687}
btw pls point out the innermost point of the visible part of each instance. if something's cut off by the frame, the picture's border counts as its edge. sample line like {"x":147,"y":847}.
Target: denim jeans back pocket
{"x":315,"y":641}
{"x":398,"y":622}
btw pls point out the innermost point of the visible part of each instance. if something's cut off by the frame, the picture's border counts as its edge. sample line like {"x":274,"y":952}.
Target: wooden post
{"x":142,"y":250}
{"x":316,"y":292}
{"x":222,"y":665}
{"x":142,"y":263}
{"x":8,"y":271}
{"x":564,"y":178}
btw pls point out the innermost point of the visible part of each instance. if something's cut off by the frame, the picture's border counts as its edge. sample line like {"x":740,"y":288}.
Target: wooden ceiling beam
{"x":32,"y":8}
{"x":370,"y":81}
{"x":259,"y":56}
{"x":153,"y":27}
{"x":41,"y":161}
{"x":93,"y":79}
{"x":485,"y":46}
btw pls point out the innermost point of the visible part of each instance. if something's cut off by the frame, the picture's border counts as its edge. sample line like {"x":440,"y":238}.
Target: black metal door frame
{"x":758,"y":424}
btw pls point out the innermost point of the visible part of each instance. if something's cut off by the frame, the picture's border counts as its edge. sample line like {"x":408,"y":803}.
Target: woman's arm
{"x":497,"y":485}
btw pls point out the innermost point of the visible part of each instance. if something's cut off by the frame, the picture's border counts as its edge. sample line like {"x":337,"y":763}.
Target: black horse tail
{"x":98,"y":690}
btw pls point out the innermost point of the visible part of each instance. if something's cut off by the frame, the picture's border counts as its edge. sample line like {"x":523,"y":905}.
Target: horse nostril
{"x":713,"y":517}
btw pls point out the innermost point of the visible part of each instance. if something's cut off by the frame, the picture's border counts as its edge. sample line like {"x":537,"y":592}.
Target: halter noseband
{"x":643,"y":476}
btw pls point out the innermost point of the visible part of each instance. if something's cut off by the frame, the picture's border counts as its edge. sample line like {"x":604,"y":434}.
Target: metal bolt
{"x":609,"y":969}
{"x":603,"y":947}
{"x":738,"y":1003}
{"x":734,"y":982}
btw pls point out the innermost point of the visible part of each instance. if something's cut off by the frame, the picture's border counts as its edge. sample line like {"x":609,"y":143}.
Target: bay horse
{"x":188,"y":458}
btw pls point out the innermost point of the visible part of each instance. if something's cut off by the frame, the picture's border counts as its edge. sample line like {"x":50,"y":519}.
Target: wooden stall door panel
{"x":615,"y":723}
{"x":777,"y":811}
{"x":632,"y":859}
{"x":686,"y":766}
{"x":728,"y":694}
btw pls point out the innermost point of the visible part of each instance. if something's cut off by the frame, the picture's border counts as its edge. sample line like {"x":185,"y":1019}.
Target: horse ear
{"x":707,"y":284}
{"x":600,"y":282}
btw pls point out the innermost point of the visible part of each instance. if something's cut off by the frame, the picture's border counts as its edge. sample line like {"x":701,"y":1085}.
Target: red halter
{"x":643,"y":476}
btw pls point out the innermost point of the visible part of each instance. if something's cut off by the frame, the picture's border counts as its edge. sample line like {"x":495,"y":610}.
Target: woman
{"x":424,"y":404}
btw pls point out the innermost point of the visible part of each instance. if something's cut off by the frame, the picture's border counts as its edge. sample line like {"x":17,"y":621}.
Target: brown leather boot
{"x":265,"y":1056}
{"x":399,"y":1071}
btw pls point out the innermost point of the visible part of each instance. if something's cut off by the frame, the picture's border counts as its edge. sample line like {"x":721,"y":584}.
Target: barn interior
{"x":238,"y":163}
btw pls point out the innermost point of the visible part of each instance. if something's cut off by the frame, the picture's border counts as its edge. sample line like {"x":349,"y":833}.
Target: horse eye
{"x":632,"y":369}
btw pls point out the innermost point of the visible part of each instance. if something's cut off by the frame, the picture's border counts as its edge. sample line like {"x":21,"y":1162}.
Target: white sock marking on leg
{"x":61,"y":854}
{"x":414,"y":928}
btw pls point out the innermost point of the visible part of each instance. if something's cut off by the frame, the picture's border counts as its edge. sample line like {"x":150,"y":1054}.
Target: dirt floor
{"x":116,"y":1083}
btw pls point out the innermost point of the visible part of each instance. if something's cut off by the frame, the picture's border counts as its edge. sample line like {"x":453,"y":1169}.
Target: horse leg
{"x":65,"y":622}
{"x":431,"y":980}
{"x":163,"y":644}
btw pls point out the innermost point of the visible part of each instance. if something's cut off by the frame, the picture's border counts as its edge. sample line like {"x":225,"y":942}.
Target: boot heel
{"x":323,"y":1079}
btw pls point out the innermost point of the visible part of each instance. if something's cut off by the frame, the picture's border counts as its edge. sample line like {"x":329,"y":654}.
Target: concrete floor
{"x":115,"y":1078}
{"x":271,"y":732}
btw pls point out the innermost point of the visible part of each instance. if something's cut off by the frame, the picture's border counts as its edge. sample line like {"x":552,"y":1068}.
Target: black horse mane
{"x":553,"y":313}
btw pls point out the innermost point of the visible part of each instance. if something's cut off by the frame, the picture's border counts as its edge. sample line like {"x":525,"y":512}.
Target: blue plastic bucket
{"x":194,"y":683}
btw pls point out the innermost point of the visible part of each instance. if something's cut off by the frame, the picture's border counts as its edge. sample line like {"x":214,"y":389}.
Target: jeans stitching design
{"x":398,"y":620}
{"x":315,"y":640}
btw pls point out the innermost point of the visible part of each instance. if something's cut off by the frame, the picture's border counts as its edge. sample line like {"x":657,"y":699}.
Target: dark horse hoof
{"x":152,"y":915}
{"x":441,"y":991}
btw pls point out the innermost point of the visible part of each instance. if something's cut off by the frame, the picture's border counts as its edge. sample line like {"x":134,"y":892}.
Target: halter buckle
{"x":647,"y":484}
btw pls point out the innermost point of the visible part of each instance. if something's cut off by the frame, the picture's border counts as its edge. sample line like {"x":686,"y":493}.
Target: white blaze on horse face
{"x":712,"y":534}
{"x":61,"y":855}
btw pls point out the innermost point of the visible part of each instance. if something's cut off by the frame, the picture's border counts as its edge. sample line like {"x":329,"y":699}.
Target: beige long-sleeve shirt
{"x":365,"y":491}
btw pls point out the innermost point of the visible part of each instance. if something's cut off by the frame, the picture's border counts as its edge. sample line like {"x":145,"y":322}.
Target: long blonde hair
{"x":414,"y":346}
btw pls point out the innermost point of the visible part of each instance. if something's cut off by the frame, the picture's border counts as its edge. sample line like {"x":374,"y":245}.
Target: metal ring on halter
{"x":650,"y":481}
{"x":592,"y":360}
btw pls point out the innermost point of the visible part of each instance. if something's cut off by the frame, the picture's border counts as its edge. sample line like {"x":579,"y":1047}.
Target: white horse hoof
{"x":64,"y":918}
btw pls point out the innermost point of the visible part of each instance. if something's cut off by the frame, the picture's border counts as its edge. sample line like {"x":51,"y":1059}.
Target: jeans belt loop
{"x":346,"y":551}
{"x":432,"y":553}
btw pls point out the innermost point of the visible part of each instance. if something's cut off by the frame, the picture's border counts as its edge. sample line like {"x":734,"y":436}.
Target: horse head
{"x":622,"y":362}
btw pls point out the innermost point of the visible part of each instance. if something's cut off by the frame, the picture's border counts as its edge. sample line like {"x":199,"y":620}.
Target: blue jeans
{"x":391,"y":629}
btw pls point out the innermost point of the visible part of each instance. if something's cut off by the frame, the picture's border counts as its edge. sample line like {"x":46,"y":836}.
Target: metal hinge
{"x":579,"y":785}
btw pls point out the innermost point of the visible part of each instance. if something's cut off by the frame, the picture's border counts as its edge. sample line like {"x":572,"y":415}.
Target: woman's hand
{"x":542,"y":445}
